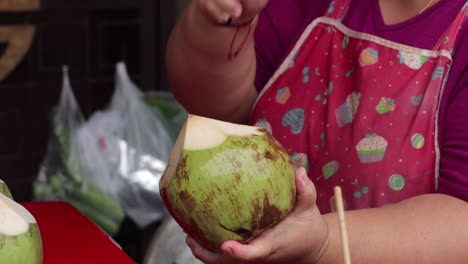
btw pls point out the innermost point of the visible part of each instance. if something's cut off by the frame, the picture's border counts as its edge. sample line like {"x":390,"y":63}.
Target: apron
{"x":359,"y":111}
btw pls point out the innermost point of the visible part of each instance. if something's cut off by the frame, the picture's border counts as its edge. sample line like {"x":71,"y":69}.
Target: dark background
{"x":89,"y":36}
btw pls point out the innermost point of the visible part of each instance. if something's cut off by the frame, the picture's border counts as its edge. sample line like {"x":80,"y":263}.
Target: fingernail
{"x":225,"y":18}
{"x":228,"y":250}
{"x":302,"y":173}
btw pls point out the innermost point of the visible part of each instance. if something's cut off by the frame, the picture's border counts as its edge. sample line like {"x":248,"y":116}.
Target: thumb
{"x":306,"y":192}
{"x":250,"y":9}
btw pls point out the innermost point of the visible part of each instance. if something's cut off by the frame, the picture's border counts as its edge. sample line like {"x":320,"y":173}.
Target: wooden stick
{"x":342,"y":222}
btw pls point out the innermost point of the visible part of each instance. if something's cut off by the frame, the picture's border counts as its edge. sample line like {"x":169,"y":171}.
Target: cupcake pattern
{"x":385,"y":105}
{"x":283,"y":95}
{"x":345,"y":113}
{"x":412,"y":60}
{"x":369,"y":56}
{"x":371,"y":148}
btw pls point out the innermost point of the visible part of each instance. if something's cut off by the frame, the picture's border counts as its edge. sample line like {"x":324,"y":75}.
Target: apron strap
{"x":338,"y":9}
{"x":448,"y":39}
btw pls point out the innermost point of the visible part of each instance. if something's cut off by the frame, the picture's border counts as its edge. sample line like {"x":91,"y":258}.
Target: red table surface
{"x":69,"y":237}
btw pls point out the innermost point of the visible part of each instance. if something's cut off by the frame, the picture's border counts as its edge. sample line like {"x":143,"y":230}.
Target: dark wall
{"x":89,"y":36}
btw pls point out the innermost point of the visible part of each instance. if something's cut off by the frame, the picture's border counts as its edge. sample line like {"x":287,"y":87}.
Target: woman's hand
{"x":240,"y":11}
{"x":301,"y":237}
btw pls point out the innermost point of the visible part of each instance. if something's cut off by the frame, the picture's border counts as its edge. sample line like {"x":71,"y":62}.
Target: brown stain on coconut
{"x":2,"y":241}
{"x":188,"y":201}
{"x":279,"y":149}
{"x":275,"y":143}
{"x":270,"y":214}
{"x":182,"y":173}
{"x":244,"y":233}
{"x":241,"y":142}
{"x":272,"y":155}
{"x":237,"y":177}
{"x":195,"y":213}
{"x":257,"y":157}
{"x":30,"y":232}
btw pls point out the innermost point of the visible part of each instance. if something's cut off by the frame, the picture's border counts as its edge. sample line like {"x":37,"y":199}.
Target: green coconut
{"x":226,"y":181}
{"x":20,"y":239}
{"x":4,"y":190}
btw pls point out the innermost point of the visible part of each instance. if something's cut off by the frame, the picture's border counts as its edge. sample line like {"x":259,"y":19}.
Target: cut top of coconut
{"x":203,"y":133}
{"x":14,"y":219}
{"x":208,"y":133}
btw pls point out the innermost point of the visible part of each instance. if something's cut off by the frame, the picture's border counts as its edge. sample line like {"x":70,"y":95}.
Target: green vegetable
{"x":172,"y":114}
{"x":168,"y":109}
{"x":62,"y":134}
{"x":41,"y":191}
{"x":91,"y":196}
{"x":98,"y":199}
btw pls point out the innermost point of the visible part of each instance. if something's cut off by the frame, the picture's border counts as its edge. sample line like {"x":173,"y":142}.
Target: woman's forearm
{"x":203,"y":78}
{"x":425,"y":229}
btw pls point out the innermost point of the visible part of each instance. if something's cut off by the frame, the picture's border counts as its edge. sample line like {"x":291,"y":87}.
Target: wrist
{"x":317,"y":256}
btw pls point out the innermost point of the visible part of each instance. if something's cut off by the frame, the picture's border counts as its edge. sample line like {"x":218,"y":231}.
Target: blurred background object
{"x":37,"y":37}
{"x":168,"y":246}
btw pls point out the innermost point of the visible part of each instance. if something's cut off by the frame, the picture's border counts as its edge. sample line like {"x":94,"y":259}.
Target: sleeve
{"x":279,"y":26}
{"x":453,"y":178}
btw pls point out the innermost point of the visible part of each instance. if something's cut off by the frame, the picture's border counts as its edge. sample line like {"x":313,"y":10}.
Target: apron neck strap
{"x":448,"y":39}
{"x":338,"y":9}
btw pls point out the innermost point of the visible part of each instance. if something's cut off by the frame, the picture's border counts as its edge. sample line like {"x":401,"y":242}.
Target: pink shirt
{"x":282,"y":22}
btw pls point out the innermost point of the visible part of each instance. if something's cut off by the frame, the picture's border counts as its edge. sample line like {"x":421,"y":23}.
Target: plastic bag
{"x":62,"y":175}
{"x":136,"y":145}
{"x":110,"y":166}
{"x":144,"y":151}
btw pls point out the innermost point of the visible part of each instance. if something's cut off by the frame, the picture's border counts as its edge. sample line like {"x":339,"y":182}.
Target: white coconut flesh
{"x":203,"y":133}
{"x":208,"y":133}
{"x":14,"y":218}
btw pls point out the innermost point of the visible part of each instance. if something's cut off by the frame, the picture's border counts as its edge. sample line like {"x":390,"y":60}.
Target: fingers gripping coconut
{"x":300,"y":238}
{"x":235,"y":11}
{"x":227,"y":182}
{"x":20,"y":239}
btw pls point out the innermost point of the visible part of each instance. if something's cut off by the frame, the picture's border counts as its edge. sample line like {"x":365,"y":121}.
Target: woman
{"x":369,"y":95}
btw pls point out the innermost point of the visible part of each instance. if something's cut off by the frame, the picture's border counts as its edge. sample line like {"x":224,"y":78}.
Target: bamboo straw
{"x":342,"y":224}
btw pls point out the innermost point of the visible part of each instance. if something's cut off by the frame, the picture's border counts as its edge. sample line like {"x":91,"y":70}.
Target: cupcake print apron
{"x":358,"y":111}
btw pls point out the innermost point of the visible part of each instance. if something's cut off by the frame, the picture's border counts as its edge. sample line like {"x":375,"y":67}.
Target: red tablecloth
{"x":70,"y":238}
